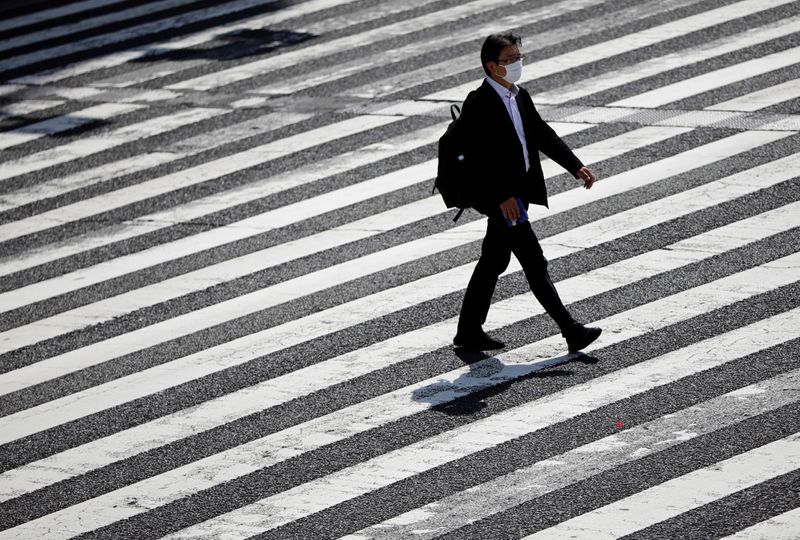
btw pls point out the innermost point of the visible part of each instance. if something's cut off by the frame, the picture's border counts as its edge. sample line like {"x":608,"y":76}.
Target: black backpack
{"x":452,"y":177}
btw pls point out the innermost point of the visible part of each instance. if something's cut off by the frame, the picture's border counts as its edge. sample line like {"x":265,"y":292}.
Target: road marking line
{"x":60,"y":124}
{"x":195,"y":38}
{"x":392,"y":467}
{"x":259,"y":67}
{"x":441,"y":69}
{"x":104,"y":40}
{"x":299,"y":383}
{"x":253,"y":302}
{"x":625,"y":44}
{"x":780,"y":527}
{"x":479,"y":502}
{"x":761,"y":99}
{"x":53,"y":13}
{"x":635,"y":72}
{"x":681,"y":494}
{"x":99,"y":143}
{"x":711,"y":80}
{"x":275,"y":255}
{"x":23,"y":108}
{"x":187,"y":177}
{"x":172,"y":152}
{"x":85,"y":23}
{"x":320,"y":28}
{"x":204,"y":206}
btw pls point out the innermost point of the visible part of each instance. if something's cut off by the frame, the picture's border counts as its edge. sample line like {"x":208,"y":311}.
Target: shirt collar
{"x":502,"y":90}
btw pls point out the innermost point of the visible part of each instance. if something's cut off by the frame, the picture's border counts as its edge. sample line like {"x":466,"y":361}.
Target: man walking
{"x":504,"y":134}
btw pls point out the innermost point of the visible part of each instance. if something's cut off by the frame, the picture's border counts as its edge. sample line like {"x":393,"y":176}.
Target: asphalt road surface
{"x":228,"y":295}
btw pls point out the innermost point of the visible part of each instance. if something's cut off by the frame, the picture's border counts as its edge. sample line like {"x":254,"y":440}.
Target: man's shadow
{"x":488,"y":376}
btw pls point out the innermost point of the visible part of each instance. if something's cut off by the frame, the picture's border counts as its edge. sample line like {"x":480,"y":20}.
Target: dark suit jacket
{"x":494,"y":153}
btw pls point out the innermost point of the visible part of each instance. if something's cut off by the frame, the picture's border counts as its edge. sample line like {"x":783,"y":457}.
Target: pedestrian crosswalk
{"x":228,"y":294}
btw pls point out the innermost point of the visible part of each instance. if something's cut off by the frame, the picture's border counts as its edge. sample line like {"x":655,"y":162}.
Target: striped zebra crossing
{"x":229,"y":294}
{"x":559,"y":471}
{"x":209,"y":205}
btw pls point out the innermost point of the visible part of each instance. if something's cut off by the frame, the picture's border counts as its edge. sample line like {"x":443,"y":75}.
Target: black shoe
{"x":476,"y":340}
{"x":579,"y":337}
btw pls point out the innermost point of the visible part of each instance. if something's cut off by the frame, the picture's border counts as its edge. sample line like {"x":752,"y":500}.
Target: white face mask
{"x":513,"y":72}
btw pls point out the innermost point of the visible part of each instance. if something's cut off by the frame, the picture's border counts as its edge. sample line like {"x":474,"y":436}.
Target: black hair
{"x":490,"y":51}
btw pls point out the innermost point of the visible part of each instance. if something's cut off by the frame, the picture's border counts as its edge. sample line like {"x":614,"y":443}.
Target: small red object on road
{"x":620,"y":424}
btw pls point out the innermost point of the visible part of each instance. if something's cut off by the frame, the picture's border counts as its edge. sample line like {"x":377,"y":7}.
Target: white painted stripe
{"x":388,"y":301}
{"x":98,"y":143}
{"x":761,"y":99}
{"x":337,"y":71}
{"x":76,"y":92}
{"x":712,"y":80}
{"x":88,"y":23}
{"x":528,"y":483}
{"x":195,"y":38}
{"x":450,"y":446}
{"x":337,"y":46}
{"x":192,"y":176}
{"x":59,"y":124}
{"x":7,"y":89}
{"x":624,"y":44}
{"x":452,"y":66}
{"x":791,"y":123}
{"x":22,"y":108}
{"x":653,"y":66}
{"x":177,"y":150}
{"x":384,"y":354}
{"x":781,"y":527}
{"x":681,"y":494}
{"x":275,"y":255}
{"x":319,"y":28}
{"x":199,"y":208}
{"x":104,"y":40}
{"x":131,"y":387}
{"x":54,"y":13}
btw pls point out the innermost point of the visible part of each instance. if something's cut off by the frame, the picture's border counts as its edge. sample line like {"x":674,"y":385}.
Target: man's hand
{"x":510,"y":209}
{"x":586,"y":174}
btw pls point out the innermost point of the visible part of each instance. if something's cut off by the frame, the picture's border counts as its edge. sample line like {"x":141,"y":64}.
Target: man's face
{"x":508,"y":55}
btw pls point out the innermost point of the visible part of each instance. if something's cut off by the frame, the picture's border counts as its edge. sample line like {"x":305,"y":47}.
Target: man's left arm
{"x":556,"y":149}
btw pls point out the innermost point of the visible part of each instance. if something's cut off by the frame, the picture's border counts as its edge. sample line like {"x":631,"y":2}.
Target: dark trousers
{"x":498,"y":244}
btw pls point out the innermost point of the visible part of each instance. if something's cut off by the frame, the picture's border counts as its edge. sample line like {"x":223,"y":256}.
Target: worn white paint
{"x":25,"y":107}
{"x":95,"y":144}
{"x":620,"y":449}
{"x":86,"y":23}
{"x":624,"y":44}
{"x":104,"y":40}
{"x":261,"y":66}
{"x":54,"y":13}
{"x":380,"y":355}
{"x":187,"y":177}
{"x":273,"y":256}
{"x":434,"y":70}
{"x":680,"y":494}
{"x":761,"y":99}
{"x":60,"y":124}
{"x":712,"y":80}
{"x":392,"y":467}
{"x":409,"y":293}
{"x":781,"y":527}
{"x":653,"y":66}
{"x":204,"y":206}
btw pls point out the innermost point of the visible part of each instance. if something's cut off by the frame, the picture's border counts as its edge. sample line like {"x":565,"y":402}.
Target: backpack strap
{"x":455,"y":111}
{"x":458,"y":215}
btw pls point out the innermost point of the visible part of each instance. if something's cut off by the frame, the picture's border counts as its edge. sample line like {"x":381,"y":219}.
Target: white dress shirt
{"x":509,"y":98}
